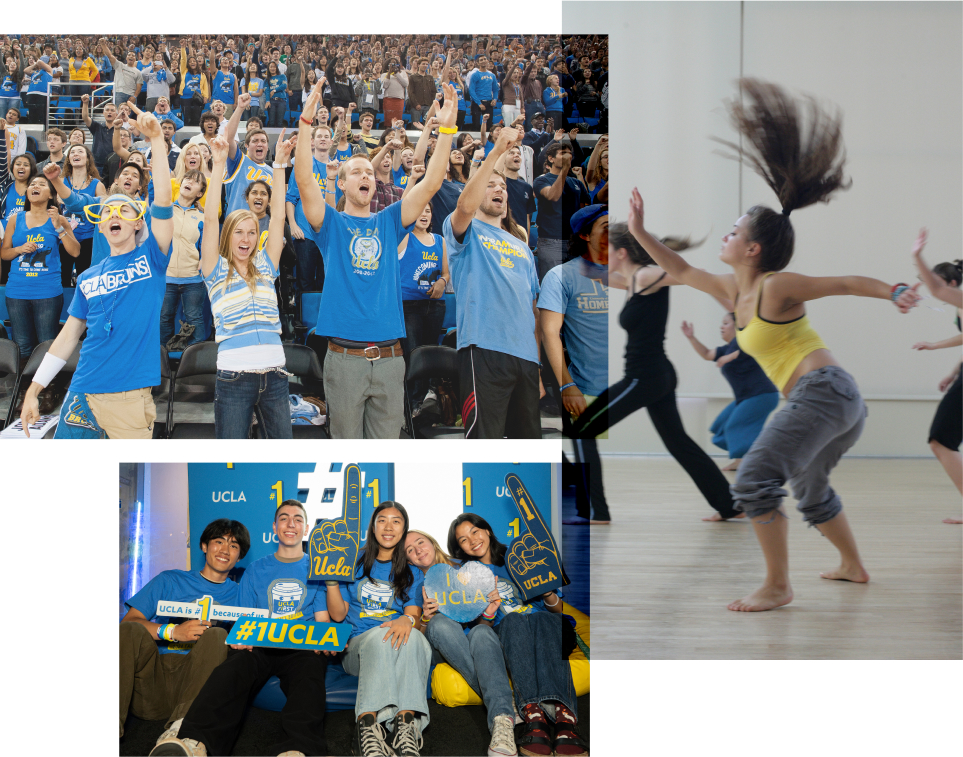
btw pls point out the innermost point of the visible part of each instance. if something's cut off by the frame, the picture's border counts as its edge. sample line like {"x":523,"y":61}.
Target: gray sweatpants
{"x":366,"y":399}
{"x":822,"y":418}
{"x":550,"y":254}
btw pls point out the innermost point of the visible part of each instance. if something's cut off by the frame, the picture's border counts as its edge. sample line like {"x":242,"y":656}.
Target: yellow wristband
{"x":447,"y":130}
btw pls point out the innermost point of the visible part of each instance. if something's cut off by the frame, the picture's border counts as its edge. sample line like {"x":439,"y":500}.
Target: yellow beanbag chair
{"x":449,"y":688}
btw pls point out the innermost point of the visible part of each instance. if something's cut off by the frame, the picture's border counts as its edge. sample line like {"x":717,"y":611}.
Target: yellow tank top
{"x":778,"y":347}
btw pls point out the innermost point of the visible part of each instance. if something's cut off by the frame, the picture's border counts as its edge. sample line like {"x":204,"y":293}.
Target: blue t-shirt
{"x":282,"y":588}
{"x":10,"y":87}
{"x":241,"y":172}
{"x":35,"y":275}
{"x":459,"y":90}
{"x":744,"y":375}
{"x":361,"y":300}
{"x":495,"y":281}
{"x":15,"y":203}
{"x":293,"y":195}
{"x":372,"y":602}
{"x":192,"y":84}
{"x":145,"y":69}
{"x":126,"y":293}
{"x":579,"y":290}
{"x":85,"y":229}
{"x":254,"y":86}
{"x":420,"y":266}
{"x":223,"y":87}
{"x":551,"y":214}
{"x":512,"y":597}
{"x":39,"y":80}
{"x":180,"y":586}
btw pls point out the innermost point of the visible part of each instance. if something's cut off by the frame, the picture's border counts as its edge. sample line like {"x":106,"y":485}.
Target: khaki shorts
{"x":125,"y":415}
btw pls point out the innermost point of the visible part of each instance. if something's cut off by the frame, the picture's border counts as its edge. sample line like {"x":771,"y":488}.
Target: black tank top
{"x":644,"y":318}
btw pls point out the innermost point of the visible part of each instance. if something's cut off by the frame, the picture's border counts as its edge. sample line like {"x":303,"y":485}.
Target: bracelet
{"x":489,"y":617}
{"x":169,"y":632}
{"x":447,"y":129}
{"x":49,"y":367}
{"x":424,"y":619}
{"x":279,"y":165}
{"x":302,"y":118}
{"x":557,"y":600}
{"x":563,"y":388}
{"x":896,"y":291}
{"x":330,"y":583}
{"x":412,"y":619}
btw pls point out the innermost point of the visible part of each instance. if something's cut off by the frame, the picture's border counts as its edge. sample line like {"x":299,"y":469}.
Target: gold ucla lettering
{"x":310,"y":639}
{"x":340,"y":569}
{"x":284,"y":630}
{"x":331,"y":635}
{"x":291,"y":633}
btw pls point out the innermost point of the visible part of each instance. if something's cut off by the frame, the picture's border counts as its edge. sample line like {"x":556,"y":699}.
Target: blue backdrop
{"x":489,"y":497}
{"x":250,"y":493}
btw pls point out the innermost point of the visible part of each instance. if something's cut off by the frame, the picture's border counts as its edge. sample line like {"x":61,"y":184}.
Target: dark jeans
{"x":239,"y":397}
{"x":423,"y":319}
{"x":477,"y":113}
{"x":191,"y":110}
{"x":532,"y":643}
{"x":158,"y":686}
{"x":276,"y":112}
{"x":656,"y":393}
{"x":37,"y":108}
{"x":34,"y":321}
{"x":294,"y":101}
{"x":68,"y":262}
{"x":194,"y":298}
{"x":216,"y":715}
{"x":310,"y":265}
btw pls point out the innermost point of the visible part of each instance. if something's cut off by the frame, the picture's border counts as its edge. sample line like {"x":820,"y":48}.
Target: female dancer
{"x":650,"y":379}
{"x":472,"y":648}
{"x":392,"y":666}
{"x":531,"y":636}
{"x":240,"y":276}
{"x":738,"y":425}
{"x":824,"y":414}
{"x":946,"y":432}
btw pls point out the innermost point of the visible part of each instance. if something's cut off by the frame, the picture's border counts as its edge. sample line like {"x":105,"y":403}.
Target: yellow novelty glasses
{"x":129,"y":210}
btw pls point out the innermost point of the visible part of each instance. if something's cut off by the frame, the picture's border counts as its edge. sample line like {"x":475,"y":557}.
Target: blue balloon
{"x":461,"y":593}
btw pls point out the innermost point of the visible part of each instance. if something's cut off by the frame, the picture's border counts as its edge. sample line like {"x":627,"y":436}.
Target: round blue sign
{"x":461,"y":593}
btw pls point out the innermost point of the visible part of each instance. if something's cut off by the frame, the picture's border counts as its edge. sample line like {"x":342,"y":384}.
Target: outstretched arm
{"x":474,"y":191}
{"x":243,"y":103}
{"x":953,"y":341}
{"x":211,"y":238}
{"x":312,"y":200}
{"x":672,"y":262}
{"x":939,"y":288}
{"x":282,"y":155}
{"x":702,"y":351}
{"x":413,"y":205}
{"x":162,"y":227}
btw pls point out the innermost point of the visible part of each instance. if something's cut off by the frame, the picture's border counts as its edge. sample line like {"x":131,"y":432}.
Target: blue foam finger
{"x":532,"y":559}
{"x":333,"y":545}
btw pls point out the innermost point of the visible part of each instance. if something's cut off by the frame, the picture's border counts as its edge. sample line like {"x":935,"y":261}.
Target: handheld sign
{"x":333,"y":545}
{"x":205,"y":609}
{"x":532,"y":559}
{"x":285,"y":633}
{"x":461,"y":593}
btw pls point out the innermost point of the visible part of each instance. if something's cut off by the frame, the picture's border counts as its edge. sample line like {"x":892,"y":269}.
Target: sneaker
{"x":503,"y":737}
{"x":175,"y":747}
{"x":407,"y":740}
{"x":518,"y":718}
{"x":369,"y":739}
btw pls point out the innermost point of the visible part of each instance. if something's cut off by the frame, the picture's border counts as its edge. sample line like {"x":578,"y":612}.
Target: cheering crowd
{"x":476,"y":221}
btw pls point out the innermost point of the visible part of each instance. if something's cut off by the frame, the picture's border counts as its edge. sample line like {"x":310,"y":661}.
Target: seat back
{"x":9,"y":357}
{"x":197,"y":360}
{"x":302,"y":361}
{"x":433,"y":362}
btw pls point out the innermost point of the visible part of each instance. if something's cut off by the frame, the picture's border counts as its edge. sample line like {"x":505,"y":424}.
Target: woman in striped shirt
{"x":240,"y":275}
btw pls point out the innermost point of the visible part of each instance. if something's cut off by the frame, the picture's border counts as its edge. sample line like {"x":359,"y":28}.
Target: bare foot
{"x":734,"y":465}
{"x":600,"y":523}
{"x":855,"y":573}
{"x":763,"y":598}
{"x":716,"y":517}
{"x":952,"y":520}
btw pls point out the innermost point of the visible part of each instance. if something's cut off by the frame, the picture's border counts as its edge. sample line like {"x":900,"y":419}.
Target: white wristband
{"x":49,"y":367}
{"x":280,"y":165}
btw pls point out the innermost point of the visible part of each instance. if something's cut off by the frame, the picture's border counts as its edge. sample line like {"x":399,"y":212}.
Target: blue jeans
{"x":390,"y":680}
{"x":34,"y":321}
{"x":423,"y":319}
{"x":121,"y":97}
{"x":194,"y":298}
{"x":6,"y":103}
{"x":533,"y":653}
{"x":276,"y":111}
{"x":253,"y":112}
{"x":738,"y":425}
{"x":310,"y":264}
{"x":478,"y":657}
{"x":238,"y":397}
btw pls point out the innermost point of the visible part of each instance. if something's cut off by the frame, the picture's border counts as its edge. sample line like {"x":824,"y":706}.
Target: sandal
{"x":567,"y":742}
{"x":533,"y":736}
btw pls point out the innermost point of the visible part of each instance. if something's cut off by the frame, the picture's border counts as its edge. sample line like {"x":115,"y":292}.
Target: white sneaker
{"x":503,"y":737}
{"x":175,"y":747}
{"x":171,"y":733}
{"x":518,"y":718}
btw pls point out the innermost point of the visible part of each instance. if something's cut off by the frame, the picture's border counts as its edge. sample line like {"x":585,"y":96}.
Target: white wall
{"x":894,"y":71}
{"x":166,"y":521}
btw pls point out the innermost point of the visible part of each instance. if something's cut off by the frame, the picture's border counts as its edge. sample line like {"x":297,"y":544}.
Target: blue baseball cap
{"x":584,"y":218}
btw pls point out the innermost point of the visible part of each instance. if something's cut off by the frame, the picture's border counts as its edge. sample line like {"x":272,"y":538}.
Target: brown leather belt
{"x":369,"y":353}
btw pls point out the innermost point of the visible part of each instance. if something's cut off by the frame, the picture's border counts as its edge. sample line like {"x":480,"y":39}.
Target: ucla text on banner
{"x":205,"y":609}
{"x":532,"y":559}
{"x":461,"y":593}
{"x":284,"y":633}
{"x":333,"y":544}
{"x":484,"y":493}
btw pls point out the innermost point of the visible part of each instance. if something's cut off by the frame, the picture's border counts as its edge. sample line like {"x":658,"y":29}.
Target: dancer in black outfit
{"x":650,"y":379}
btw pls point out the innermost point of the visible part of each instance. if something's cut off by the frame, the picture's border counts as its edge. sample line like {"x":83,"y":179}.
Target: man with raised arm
{"x":494,"y":276}
{"x":118,"y":301}
{"x":164,"y":663}
{"x":244,"y":168}
{"x":361,"y":308}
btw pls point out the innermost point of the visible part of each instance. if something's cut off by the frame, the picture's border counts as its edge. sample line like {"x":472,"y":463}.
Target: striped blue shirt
{"x":243,"y":318}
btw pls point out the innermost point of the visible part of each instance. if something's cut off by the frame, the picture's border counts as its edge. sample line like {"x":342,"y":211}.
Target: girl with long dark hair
{"x":391,"y":665}
{"x":824,"y":413}
{"x":531,"y":634}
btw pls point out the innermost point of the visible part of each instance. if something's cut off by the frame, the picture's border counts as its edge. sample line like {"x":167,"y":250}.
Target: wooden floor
{"x":661,"y":578}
